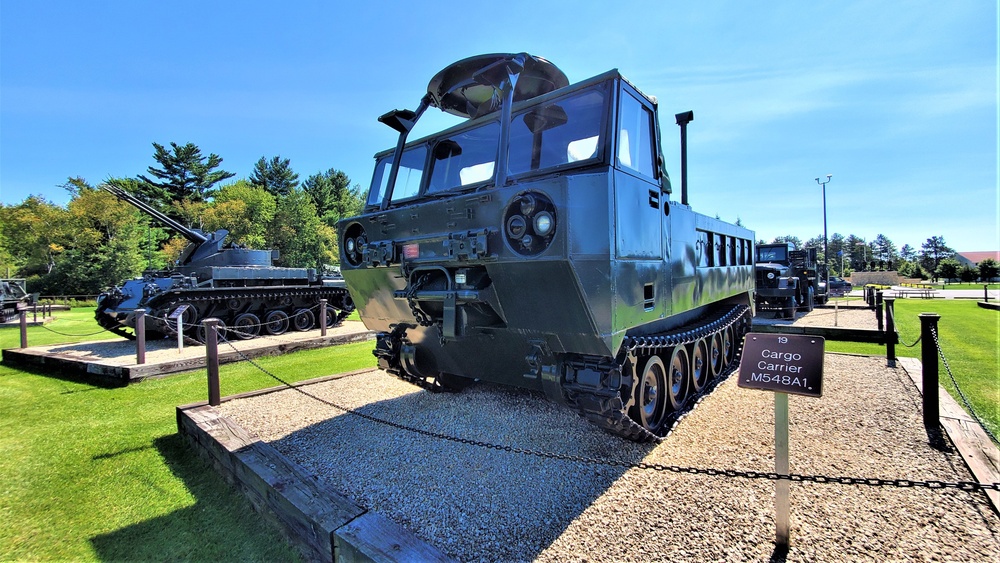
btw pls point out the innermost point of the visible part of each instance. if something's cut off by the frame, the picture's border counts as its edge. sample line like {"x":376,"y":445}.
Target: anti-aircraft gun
{"x":12,"y":294}
{"x":212,"y":278}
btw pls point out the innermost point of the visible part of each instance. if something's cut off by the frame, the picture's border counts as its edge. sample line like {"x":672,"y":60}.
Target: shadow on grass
{"x":93,"y":382}
{"x":220,"y":526}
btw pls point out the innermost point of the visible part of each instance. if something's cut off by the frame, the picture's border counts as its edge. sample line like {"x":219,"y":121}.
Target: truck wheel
{"x":789,"y":309}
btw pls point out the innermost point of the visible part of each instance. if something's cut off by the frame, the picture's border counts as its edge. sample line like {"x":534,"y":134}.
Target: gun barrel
{"x":166,"y":221}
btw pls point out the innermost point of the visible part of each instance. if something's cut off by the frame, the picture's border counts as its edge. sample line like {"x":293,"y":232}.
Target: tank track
{"x":604,"y":408}
{"x":607,"y":410}
{"x":334,"y":295}
{"x":337,"y":297}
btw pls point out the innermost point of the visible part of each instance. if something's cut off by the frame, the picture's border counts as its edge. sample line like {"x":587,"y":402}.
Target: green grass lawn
{"x":97,"y":473}
{"x":970,"y":339}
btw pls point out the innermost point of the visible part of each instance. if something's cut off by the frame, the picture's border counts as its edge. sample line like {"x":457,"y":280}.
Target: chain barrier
{"x":968,"y":406}
{"x":622,"y":464}
{"x":892,"y":313}
{"x":103,"y":330}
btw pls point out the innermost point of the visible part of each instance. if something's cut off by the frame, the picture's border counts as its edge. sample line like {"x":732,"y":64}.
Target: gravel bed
{"x":477,"y":504}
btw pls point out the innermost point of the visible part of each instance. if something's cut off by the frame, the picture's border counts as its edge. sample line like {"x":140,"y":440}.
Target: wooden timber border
{"x":63,"y":358}
{"x":980,"y":454}
{"x":323,"y":524}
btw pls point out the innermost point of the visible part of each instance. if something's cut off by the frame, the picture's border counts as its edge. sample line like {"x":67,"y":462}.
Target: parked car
{"x":839,"y":287}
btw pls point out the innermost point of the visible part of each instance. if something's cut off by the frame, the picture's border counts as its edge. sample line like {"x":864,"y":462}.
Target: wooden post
{"x":140,"y":336}
{"x":890,"y":332}
{"x":34,"y":313}
{"x":24,"y":328}
{"x":322,"y":317}
{"x":212,"y":360}
{"x":986,"y":293}
{"x":878,"y":309}
{"x":929,"y":359}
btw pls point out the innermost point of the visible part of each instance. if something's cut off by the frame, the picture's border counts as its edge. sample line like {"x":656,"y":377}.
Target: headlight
{"x":529,"y":223}
{"x":516,"y":226}
{"x":543,"y":224}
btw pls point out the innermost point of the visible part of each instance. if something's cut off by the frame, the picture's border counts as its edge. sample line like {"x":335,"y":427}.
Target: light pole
{"x":826,"y":256}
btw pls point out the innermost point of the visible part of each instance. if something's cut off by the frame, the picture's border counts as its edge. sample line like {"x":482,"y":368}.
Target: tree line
{"x":96,"y":241}
{"x":934,"y":260}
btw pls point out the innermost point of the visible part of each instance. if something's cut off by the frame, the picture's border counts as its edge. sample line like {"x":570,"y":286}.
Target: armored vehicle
{"x":12,"y":293}
{"x":535,"y":245}
{"x":239,"y":286}
{"x":788,"y":280}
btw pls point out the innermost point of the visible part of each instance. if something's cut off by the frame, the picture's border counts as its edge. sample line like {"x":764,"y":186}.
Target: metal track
{"x":336,"y":297}
{"x":610,"y":412}
{"x":604,"y":408}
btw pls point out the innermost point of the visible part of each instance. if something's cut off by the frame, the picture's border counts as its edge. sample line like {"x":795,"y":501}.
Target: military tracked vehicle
{"x":212,"y":278}
{"x":536,"y":245}
{"x":13,"y":293}
{"x":788,"y":280}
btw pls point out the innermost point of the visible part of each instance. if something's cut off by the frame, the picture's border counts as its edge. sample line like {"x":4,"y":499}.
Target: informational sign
{"x":785,"y":363}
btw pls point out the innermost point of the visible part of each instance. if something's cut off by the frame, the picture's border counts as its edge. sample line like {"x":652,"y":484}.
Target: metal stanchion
{"x":140,"y":336}
{"x":212,"y":360}
{"x":929,"y":359}
{"x":322,"y":317}
{"x":24,"y":328}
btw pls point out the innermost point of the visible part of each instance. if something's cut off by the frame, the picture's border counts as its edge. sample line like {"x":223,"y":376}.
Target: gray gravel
{"x":481,"y":505}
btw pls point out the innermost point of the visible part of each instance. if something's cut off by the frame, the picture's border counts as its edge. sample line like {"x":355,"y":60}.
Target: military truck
{"x":788,"y":280}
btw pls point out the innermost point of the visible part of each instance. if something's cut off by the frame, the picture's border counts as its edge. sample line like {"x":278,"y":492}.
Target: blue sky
{"x":896,"y":99}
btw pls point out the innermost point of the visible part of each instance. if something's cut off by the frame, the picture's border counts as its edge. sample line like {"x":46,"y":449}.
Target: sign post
{"x":178,"y":317}
{"x":783,"y":363}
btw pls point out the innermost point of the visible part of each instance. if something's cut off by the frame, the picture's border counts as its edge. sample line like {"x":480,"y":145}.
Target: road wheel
{"x":246,"y":326}
{"x":729,"y":346}
{"x":716,"y":354}
{"x":201,"y":334}
{"x":303,"y":320}
{"x":276,"y":322}
{"x":678,"y":377}
{"x":701,"y":366}
{"x":649,"y":408}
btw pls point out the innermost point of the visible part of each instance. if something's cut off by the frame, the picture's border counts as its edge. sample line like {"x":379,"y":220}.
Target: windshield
{"x":565,"y":131}
{"x":560,"y":133}
{"x":772,"y":254}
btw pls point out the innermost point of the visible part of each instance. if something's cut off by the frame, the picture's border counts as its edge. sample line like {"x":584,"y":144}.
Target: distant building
{"x":974,"y":258}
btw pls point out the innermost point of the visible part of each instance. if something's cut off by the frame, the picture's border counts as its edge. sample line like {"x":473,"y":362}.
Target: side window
{"x":635,"y":137}
{"x":407,"y":181}
{"x":465,"y":158}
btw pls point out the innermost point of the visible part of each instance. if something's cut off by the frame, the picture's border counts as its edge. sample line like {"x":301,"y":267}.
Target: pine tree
{"x":185,"y":175}
{"x":275,"y":176}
